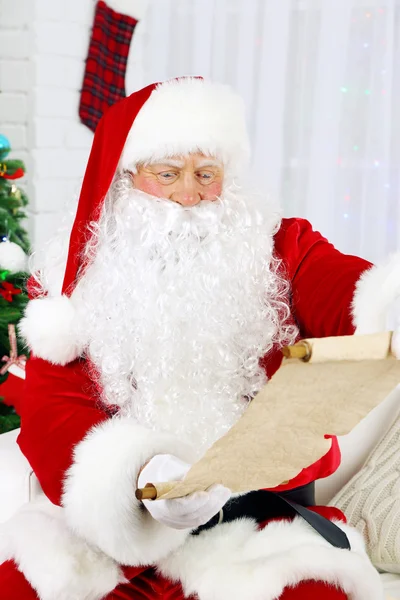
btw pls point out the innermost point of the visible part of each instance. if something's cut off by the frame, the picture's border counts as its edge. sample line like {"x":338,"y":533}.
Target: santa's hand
{"x":188,"y":512}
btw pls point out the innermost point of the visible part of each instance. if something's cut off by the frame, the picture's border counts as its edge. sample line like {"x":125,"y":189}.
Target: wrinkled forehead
{"x":194,"y":160}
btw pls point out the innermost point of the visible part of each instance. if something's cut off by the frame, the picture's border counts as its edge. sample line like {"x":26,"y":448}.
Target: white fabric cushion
{"x":391,"y":585}
{"x":18,"y":484}
{"x":371,"y":501}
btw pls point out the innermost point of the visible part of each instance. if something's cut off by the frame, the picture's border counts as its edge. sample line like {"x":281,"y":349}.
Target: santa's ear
{"x":49,"y":328}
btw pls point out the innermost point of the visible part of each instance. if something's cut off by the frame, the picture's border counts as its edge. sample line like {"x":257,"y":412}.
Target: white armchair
{"x":19,"y":485}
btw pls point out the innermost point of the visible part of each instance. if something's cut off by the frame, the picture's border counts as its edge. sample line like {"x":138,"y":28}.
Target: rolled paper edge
{"x":153,"y":492}
{"x":372,"y":346}
{"x":149,"y":492}
{"x":301,"y":350}
{"x":317,"y":350}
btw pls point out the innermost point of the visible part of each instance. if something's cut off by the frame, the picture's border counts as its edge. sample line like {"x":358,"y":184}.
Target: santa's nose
{"x":186,"y":198}
{"x":186,"y":191}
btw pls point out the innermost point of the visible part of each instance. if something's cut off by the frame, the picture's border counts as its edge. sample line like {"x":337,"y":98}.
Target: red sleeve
{"x":322,"y":279}
{"x":323,"y":282}
{"x":58,"y":409}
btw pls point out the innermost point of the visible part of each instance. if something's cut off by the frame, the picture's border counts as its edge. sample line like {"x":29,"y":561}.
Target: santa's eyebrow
{"x":169,"y":162}
{"x":208,"y":162}
{"x":179,"y":164}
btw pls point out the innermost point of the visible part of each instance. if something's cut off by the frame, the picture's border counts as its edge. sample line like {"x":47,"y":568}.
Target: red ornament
{"x":16,"y":175}
{"x":7,"y":290}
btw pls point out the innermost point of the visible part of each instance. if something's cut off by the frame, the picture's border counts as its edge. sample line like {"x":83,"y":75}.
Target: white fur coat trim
{"x":99,"y":492}
{"x":374,"y":302}
{"x":57,"y":564}
{"x":237,"y":561}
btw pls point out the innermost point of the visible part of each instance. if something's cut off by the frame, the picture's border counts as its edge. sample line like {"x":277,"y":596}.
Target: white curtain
{"x":321,"y":81}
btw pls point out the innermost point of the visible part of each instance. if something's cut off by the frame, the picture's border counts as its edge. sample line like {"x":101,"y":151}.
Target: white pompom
{"x":12,"y":257}
{"x":49,"y":328}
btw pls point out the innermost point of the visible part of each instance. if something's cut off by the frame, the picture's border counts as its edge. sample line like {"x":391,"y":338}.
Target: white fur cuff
{"x":99,"y":492}
{"x":376,"y":292}
{"x":237,"y":561}
{"x":56,"y":563}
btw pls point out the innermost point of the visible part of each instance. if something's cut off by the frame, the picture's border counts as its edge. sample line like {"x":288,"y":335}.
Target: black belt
{"x":263,"y":506}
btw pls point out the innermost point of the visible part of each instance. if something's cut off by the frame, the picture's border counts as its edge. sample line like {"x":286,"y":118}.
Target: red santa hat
{"x":162,"y":120}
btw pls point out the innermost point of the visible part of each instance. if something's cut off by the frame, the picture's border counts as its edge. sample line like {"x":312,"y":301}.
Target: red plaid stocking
{"x":104,"y":79}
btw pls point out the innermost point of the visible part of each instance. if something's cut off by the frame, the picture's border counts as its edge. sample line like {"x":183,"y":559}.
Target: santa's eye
{"x":167,"y":175}
{"x":205,"y":176}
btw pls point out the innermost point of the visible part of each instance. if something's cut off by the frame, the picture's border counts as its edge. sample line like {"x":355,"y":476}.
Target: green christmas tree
{"x":14,"y":246}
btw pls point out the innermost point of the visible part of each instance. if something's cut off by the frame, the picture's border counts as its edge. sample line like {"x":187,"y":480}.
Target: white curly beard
{"x":179,"y":305}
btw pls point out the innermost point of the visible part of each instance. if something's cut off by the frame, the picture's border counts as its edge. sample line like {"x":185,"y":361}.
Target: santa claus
{"x":180,"y":286}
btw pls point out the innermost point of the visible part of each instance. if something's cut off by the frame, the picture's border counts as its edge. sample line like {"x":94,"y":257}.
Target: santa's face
{"x":186,"y":180}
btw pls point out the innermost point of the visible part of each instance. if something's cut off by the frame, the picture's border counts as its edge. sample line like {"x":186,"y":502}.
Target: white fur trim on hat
{"x":189,"y":115}
{"x":57,"y":564}
{"x":99,"y":492}
{"x":49,"y":329}
{"x":236,"y":561}
{"x":376,"y":296}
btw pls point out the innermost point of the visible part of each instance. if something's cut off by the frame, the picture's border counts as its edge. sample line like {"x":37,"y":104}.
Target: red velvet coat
{"x":60,"y":404}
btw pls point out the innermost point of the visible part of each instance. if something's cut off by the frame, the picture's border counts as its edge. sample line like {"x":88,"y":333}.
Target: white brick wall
{"x":15,"y":43}
{"x":15,"y":76}
{"x":16,"y":14}
{"x":15,"y":81}
{"x":16,"y":133}
{"x":59,"y":143}
{"x":43,"y":45}
{"x":14,"y":107}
